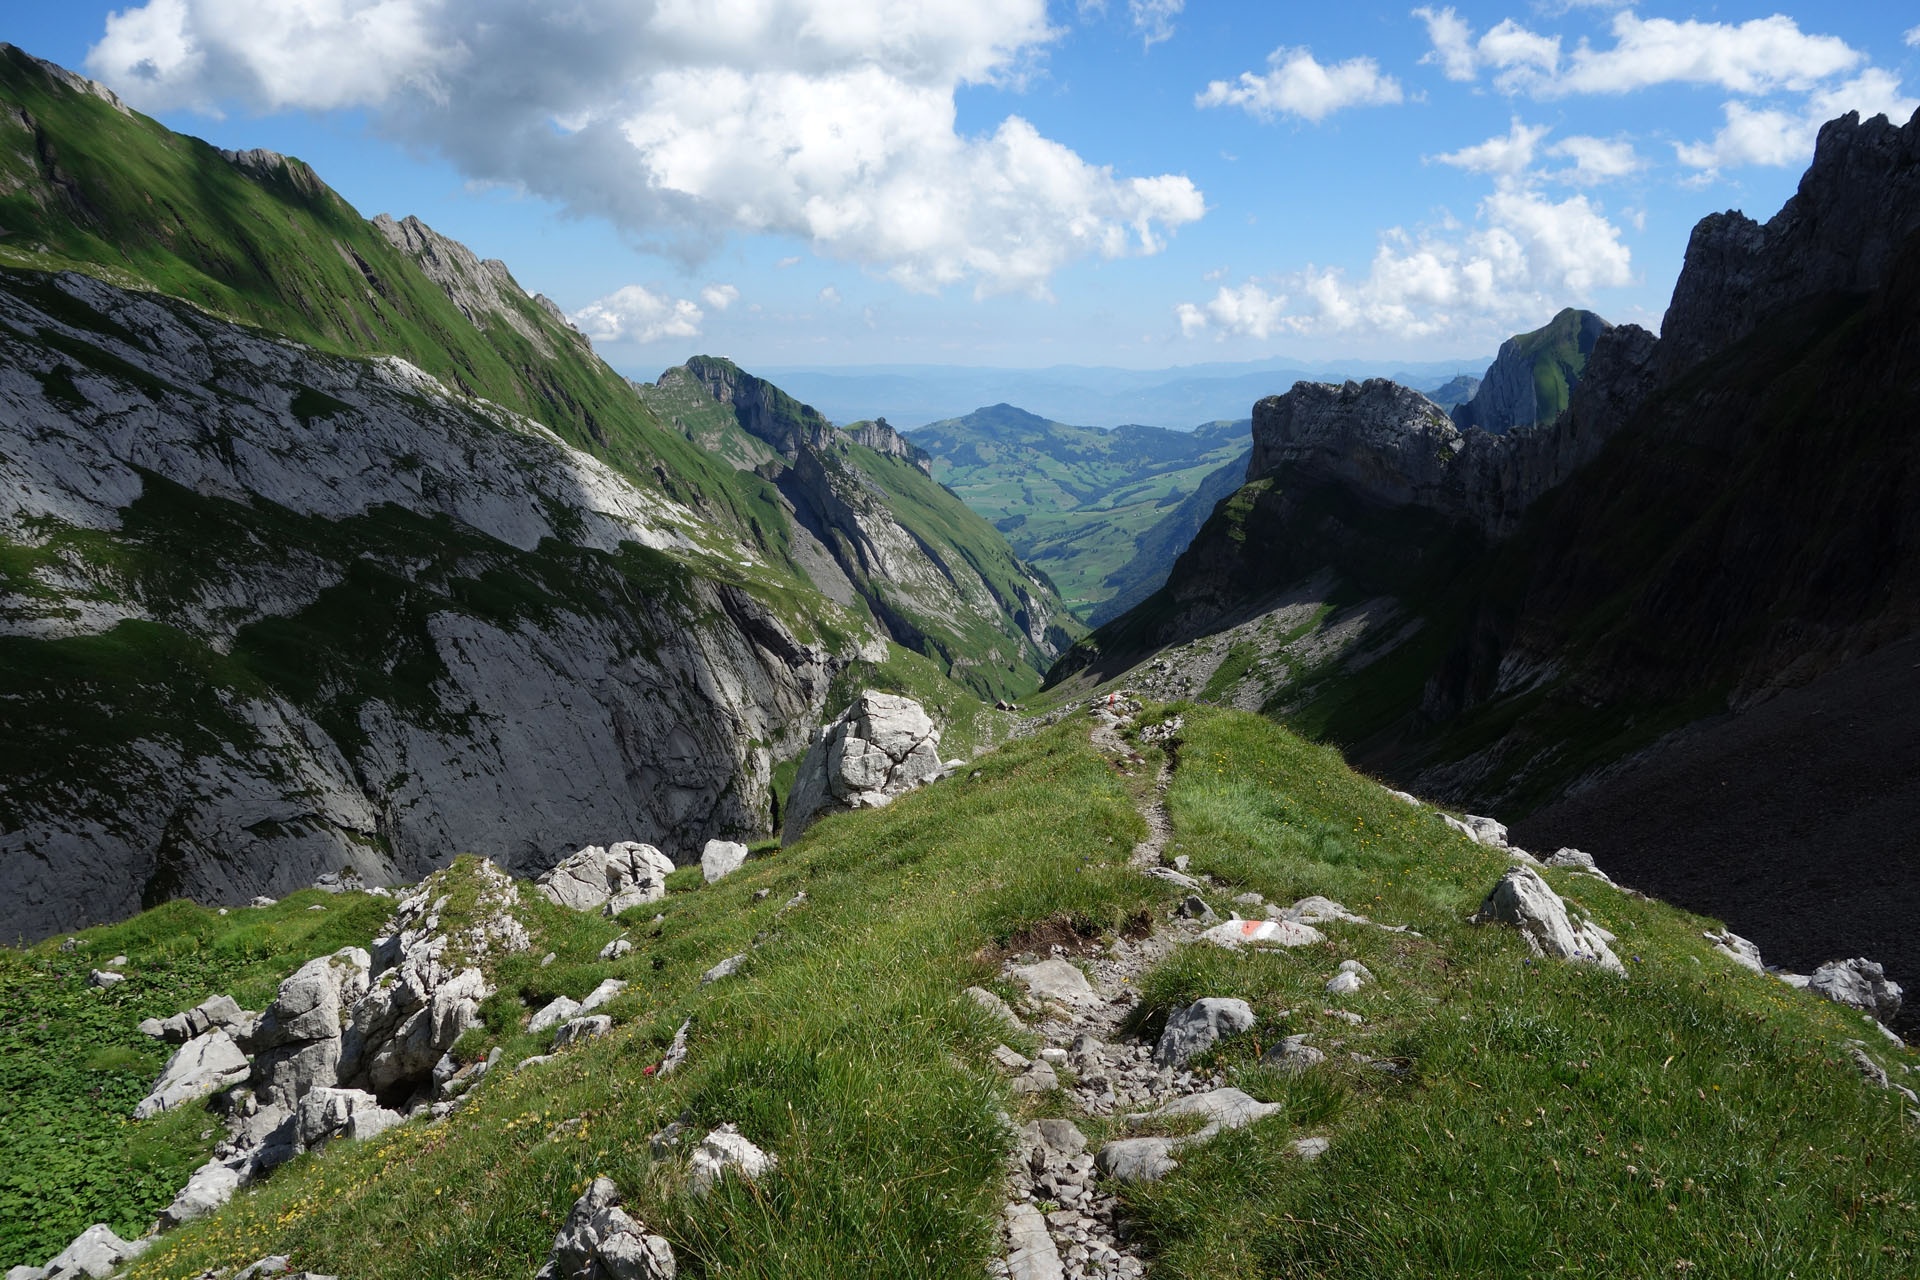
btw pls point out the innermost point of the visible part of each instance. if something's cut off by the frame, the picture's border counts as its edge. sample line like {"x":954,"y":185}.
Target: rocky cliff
{"x":879,"y":436}
{"x":269,"y":612}
{"x":1533,"y":376}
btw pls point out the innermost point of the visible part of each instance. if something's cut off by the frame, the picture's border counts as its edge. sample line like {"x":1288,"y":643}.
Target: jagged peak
{"x":483,"y":288}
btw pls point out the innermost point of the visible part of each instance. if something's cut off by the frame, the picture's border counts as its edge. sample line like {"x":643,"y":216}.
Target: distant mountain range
{"x":1177,"y":398}
{"x":1102,"y":512}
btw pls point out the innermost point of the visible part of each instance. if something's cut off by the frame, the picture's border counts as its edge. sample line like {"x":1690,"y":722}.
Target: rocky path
{"x":1059,"y":1224}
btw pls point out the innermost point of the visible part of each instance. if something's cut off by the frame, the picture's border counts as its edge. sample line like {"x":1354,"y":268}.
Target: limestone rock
{"x":881,"y":746}
{"x":578,"y":1029}
{"x":215,"y":1011}
{"x":1311,"y":1148}
{"x":1194,"y":1029}
{"x":552,"y":1014}
{"x":725,"y":1151}
{"x":1316,"y":909}
{"x":1272,"y":933}
{"x":325,"y":1112}
{"x":1031,"y":1254}
{"x":1479,"y":830}
{"x":1059,"y":981}
{"x":95,"y":1253}
{"x":208,"y":1189}
{"x":610,"y":879}
{"x":203,"y":1065}
{"x":1137,"y":1159}
{"x":994,"y":1005}
{"x":1737,"y":949}
{"x":601,"y":1241}
{"x":1219,"y":1108}
{"x":105,"y":978}
{"x":1576,"y":860}
{"x":725,"y":969}
{"x":1351,"y":977}
{"x":296,"y":1043}
{"x":607,"y":990}
{"x":615,"y":949}
{"x":721,"y":858}
{"x":1861,"y":983}
{"x":1293,"y":1055}
{"x":1522,"y":898}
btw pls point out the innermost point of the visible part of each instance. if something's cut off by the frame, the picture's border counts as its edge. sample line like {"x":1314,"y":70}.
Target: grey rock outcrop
{"x":203,"y":1065}
{"x":879,"y":436}
{"x":215,"y":1011}
{"x":607,"y":990}
{"x":207,"y":1190}
{"x":95,"y":1253}
{"x":483,"y":289}
{"x":296,"y":1044}
{"x":1293,"y":1055}
{"x":1058,"y":981}
{"x":1737,"y":949}
{"x":1234,"y":934}
{"x":1138,"y":1159}
{"x":881,"y":746}
{"x":587,"y":1028}
{"x":327,"y":1112}
{"x":610,"y":879}
{"x":1859,"y":983}
{"x":1194,"y":1029}
{"x":555,"y":1012}
{"x":1526,"y":901}
{"x":601,"y":1241}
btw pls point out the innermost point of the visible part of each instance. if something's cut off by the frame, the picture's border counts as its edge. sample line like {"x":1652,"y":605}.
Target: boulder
{"x":725,"y":1151}
{"x":1293,"y":1055}
{"x":609,"y":879}
{"x":1038,"y":1078}
{"x":1860,"y":983}
{"x":601,"y":1241}
{"x":1137,"y":1159}
{"x":587,"y":1028}
{"x":1219,"y":1108}
{"x":95,"y":1253}
{"x":325,"y":1112}
{"x":615,"y":949}
{"x":296,"y":1043}
{"x":725,"y":969}
{"x":214,"y":1011}
{"x":1576,"y":860}
{"x":1271,"y":933}
{"x":606,"y":991}
{"x":555,"y":1012}
{"x":1479,"y":830}
{"x":1316,"y":909}
{"x":1194,"y":1029}
{"x":209,"y":1188}
{"x":882,"y":746}
{"x":203,"y":1065}
{"x":721,"y":858}
{"x":105,"y":978}
{"x":1058,"y":981}
{"x":1523,"y":899}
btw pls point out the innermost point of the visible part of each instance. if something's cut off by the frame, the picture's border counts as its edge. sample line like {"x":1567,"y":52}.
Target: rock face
{"x":881,"y":746}
{"x":610,"y":879}
{"x":296,"y":1044}
{"x":601,"y":1241}
{"x":617,"y":690}
{"x":879,"y":436}
{"x":721,"y":858}
{"x":1526,"y":901}
{"x":1195,"y":1028}
{"x":1863,"y":984}
{"x":1550,"y":358}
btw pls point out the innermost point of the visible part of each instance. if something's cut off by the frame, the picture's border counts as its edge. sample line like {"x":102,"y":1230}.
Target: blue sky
{"x":1010,"y":182}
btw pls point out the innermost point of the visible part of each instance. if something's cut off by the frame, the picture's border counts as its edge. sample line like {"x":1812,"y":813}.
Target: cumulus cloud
{"x":1525,"y":256}
{"x":1511,"y":154}
{"x":637,"y":314}
{"x":829,"y":120}
{"x":1760,"y":135}
{"x":1596,"y":160}
{"x":830,"y":296}
{"x":1913,"y":37}
{"x":1296,"y":84}
{"x":1758,"y":56}
{"x":720,"y":296}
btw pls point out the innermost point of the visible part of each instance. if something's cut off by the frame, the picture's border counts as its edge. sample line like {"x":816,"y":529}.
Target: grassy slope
{"x":1558,"y":361}
{"x":1074,"y":500}
{"x":1551,"y":1119}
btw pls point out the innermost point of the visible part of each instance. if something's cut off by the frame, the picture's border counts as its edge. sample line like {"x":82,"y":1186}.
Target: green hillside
{"x":1488,"y":1112}
{"x":1076,"y":501}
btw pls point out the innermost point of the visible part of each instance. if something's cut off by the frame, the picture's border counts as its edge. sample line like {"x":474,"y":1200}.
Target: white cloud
{"x":1775,"y":137}
{"x":791,"y":260}
{"x":1526,"y":257}
{"x":720,"y":296}
{"x":1154,"y":18}
{"x":1762,"y":55}
{"x":1511,"y":154}
{"x":1452,"y":41}
{"x":1296,"y":84}
{"x":683,"y":120}
{"x":1596,"y":160}
{"x":636,"y":314}
{"x":830,"y":296}
{"x":1913,"y":37}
